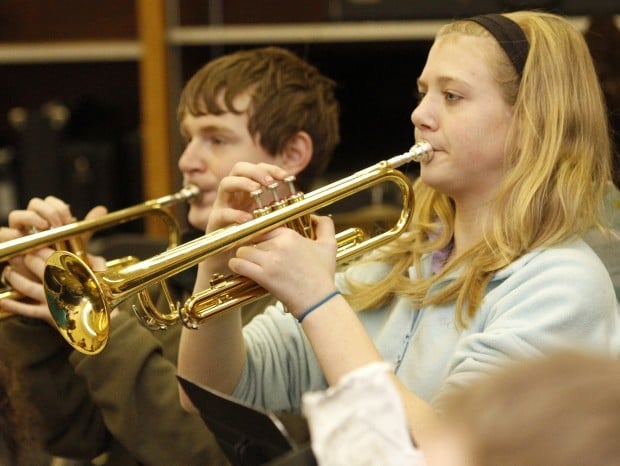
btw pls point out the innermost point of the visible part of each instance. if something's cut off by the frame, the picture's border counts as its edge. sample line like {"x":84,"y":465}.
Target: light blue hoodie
{"x":549,"y":299}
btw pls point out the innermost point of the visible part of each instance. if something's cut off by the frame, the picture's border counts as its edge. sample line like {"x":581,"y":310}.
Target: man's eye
{"x":216,"y":141}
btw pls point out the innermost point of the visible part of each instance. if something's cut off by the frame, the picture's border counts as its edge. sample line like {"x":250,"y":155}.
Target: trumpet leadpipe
{"x":78,"y":296}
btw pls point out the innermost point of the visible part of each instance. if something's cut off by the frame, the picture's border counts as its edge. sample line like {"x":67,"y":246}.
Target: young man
{"x":262,"y":105}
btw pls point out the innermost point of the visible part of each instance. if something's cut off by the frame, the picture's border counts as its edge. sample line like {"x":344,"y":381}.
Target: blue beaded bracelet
{"x":304,"y":314}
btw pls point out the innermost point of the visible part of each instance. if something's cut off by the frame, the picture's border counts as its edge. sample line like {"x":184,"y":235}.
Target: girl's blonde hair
{"x":558,"y":166}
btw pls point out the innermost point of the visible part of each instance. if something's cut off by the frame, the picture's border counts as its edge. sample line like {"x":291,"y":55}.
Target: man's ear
{"x":297,"y":153}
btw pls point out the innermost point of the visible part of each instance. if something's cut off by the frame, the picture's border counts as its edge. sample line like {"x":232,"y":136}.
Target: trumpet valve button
{"x":256,"y":195}
{"x":290,"y":182}
{"x":273,"y":187}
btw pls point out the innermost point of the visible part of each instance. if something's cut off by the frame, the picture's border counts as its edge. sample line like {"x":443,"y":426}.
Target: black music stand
{"x":247,"y":436}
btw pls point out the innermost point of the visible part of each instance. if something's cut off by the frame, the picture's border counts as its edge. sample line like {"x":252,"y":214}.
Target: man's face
{"x":214,"y":143}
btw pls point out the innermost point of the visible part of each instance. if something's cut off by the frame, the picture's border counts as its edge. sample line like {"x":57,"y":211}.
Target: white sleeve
{"x":360,"y":421}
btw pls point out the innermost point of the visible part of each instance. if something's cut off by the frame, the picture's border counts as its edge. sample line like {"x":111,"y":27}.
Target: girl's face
{"x":463,"y":115}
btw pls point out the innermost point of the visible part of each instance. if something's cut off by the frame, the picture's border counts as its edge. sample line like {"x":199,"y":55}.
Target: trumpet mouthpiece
{"x":189,"y":192}
{"x":422,"y":152}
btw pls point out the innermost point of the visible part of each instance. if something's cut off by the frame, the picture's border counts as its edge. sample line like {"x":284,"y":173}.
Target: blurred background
{"x":88,"y":90}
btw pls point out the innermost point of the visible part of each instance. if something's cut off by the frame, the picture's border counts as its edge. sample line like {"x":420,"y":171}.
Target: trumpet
{"x":67,"y":237}
{"x":81,"y":299}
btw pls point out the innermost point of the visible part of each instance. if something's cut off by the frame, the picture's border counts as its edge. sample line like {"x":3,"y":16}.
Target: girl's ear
{"x":297,"y":153}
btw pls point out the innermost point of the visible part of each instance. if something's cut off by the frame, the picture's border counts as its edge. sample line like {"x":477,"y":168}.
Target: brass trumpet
{"x":67,"y":237}
{"x":81,"y":300}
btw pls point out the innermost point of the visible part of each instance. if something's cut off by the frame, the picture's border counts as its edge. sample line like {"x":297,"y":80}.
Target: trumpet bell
{"x":77,"y":303}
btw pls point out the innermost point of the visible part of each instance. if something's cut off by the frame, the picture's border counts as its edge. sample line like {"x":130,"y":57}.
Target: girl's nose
{"x":422,"y":115}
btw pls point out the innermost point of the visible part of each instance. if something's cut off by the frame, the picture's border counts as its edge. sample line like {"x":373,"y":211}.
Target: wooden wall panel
{"x":46,"y":20}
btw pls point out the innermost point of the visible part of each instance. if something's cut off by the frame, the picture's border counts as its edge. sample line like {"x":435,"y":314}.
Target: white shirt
{"x":360,"y":421}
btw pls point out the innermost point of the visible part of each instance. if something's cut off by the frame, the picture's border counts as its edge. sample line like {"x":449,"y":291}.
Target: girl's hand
{"x":235,"y":204}
{"x":297,"y":270}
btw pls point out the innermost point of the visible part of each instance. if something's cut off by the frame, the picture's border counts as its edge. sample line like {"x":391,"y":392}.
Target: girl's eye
{"x":450,"y":97}
{"x":420,"y":95}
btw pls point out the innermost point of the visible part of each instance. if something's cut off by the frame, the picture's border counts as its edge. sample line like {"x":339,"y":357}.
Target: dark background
{"x":94,"y":155}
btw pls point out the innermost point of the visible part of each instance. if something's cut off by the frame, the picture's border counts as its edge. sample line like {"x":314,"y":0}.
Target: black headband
{"x":509,"y":35}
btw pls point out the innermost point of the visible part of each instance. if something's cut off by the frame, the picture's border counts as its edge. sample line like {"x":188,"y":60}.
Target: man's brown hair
{"x":288,"y":95}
